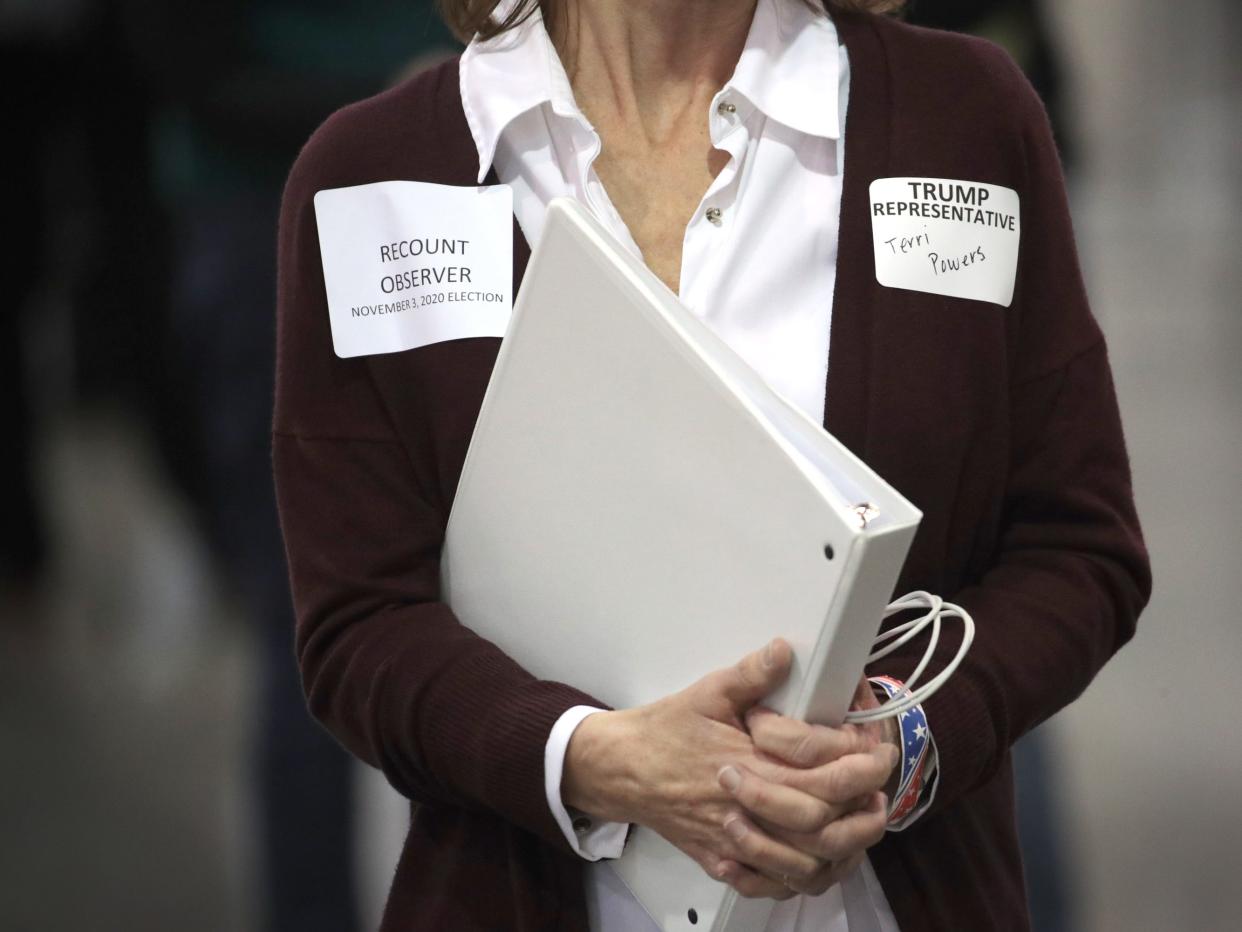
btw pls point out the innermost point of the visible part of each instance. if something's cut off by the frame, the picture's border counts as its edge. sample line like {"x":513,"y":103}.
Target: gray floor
{"x":125,"y":691}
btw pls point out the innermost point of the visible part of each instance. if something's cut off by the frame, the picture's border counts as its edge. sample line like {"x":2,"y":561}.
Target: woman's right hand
{"x":663,"y":765}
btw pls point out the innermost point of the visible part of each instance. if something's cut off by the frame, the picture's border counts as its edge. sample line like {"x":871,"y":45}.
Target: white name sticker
{"x":407,"y":263}
{"x":942,"y":236}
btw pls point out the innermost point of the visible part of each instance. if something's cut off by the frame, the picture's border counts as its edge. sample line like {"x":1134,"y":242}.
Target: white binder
{"x":638,"y":508}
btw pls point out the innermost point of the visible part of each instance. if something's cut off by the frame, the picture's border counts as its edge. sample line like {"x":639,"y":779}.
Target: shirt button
{"x":724,"y":108}
{"x":713,"y":215}
{"x":582,"y":824}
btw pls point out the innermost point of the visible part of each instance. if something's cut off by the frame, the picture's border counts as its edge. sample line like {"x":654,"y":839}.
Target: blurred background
{"x":157,"y":768}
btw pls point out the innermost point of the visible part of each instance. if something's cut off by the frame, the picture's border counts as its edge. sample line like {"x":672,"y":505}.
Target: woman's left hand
{"x":823,"y":763}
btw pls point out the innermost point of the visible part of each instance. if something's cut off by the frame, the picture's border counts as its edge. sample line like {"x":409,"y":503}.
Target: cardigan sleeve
{"x":386,"y":666}
{"x":1070,"y":571}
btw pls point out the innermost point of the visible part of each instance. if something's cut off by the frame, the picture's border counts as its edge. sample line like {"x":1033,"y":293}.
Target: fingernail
{"x":735,"y":829}
{"x":894,"y":755}
{"x":722,"y":870}
{"x":729,"y":778}
{"x":768,"y":658}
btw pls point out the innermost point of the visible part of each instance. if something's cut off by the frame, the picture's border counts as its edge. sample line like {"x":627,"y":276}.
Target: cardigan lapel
{"x":854,"y":350}
{"x":867,"y":148}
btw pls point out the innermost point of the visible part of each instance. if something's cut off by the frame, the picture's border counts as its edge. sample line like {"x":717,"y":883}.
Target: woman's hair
{"x":468,"y":17}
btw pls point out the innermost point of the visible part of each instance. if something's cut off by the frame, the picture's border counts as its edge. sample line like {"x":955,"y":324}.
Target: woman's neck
{"x":649,"y":64}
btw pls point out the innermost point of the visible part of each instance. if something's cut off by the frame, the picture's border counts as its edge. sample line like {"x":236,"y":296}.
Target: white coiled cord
{"x":937,"y":608}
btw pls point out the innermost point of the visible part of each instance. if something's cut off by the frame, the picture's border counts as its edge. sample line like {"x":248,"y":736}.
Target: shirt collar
{"x":788,"y":69}
{"x":503,"y":77}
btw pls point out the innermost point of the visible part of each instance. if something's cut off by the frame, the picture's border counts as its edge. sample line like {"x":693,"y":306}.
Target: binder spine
{"x":874,"y":563}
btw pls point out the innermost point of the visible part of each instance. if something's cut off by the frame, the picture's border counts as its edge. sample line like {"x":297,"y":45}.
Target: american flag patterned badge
{"x":915,"y":741}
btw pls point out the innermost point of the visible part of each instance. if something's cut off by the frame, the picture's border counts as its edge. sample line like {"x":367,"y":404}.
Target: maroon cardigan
{"x":1000,"y":424}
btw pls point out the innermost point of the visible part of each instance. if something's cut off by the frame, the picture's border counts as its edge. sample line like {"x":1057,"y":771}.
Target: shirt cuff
{"x":590,"y":839}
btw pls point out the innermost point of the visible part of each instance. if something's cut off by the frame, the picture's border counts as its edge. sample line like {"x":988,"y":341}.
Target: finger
{"x":752,"y":847}
{"x":805,"y":841}
{"x":864,"y":695}
{"x":750,"y":883}
{"x":829,"y":877}
{"x":752,"y":677}
{"x":800,"y":743}
{"x":777,"y":805}
{"x":852,"y":833}
{"x":855,"y":833}
{"x":849,"y":776}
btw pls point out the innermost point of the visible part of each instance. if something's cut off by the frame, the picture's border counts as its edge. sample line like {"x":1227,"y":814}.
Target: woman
{"x":734,"y":146}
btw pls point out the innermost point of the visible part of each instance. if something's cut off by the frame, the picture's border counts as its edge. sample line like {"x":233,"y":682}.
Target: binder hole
{"x":693,"y":917}
{"x":828,"y":551}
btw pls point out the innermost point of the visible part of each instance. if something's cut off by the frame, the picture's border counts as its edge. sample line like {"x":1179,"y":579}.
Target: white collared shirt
{"x":762,"y":276}
{"x":758,"y":265}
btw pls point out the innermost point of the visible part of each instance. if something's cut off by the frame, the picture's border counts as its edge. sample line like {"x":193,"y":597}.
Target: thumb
{"x":864,"y":695}
{"x":753,"y":677}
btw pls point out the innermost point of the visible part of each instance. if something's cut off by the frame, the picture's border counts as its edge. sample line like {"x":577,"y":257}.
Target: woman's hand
{"x":846,"y":766}
{"x":657,"y":765}
{"x":665,"y":765}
